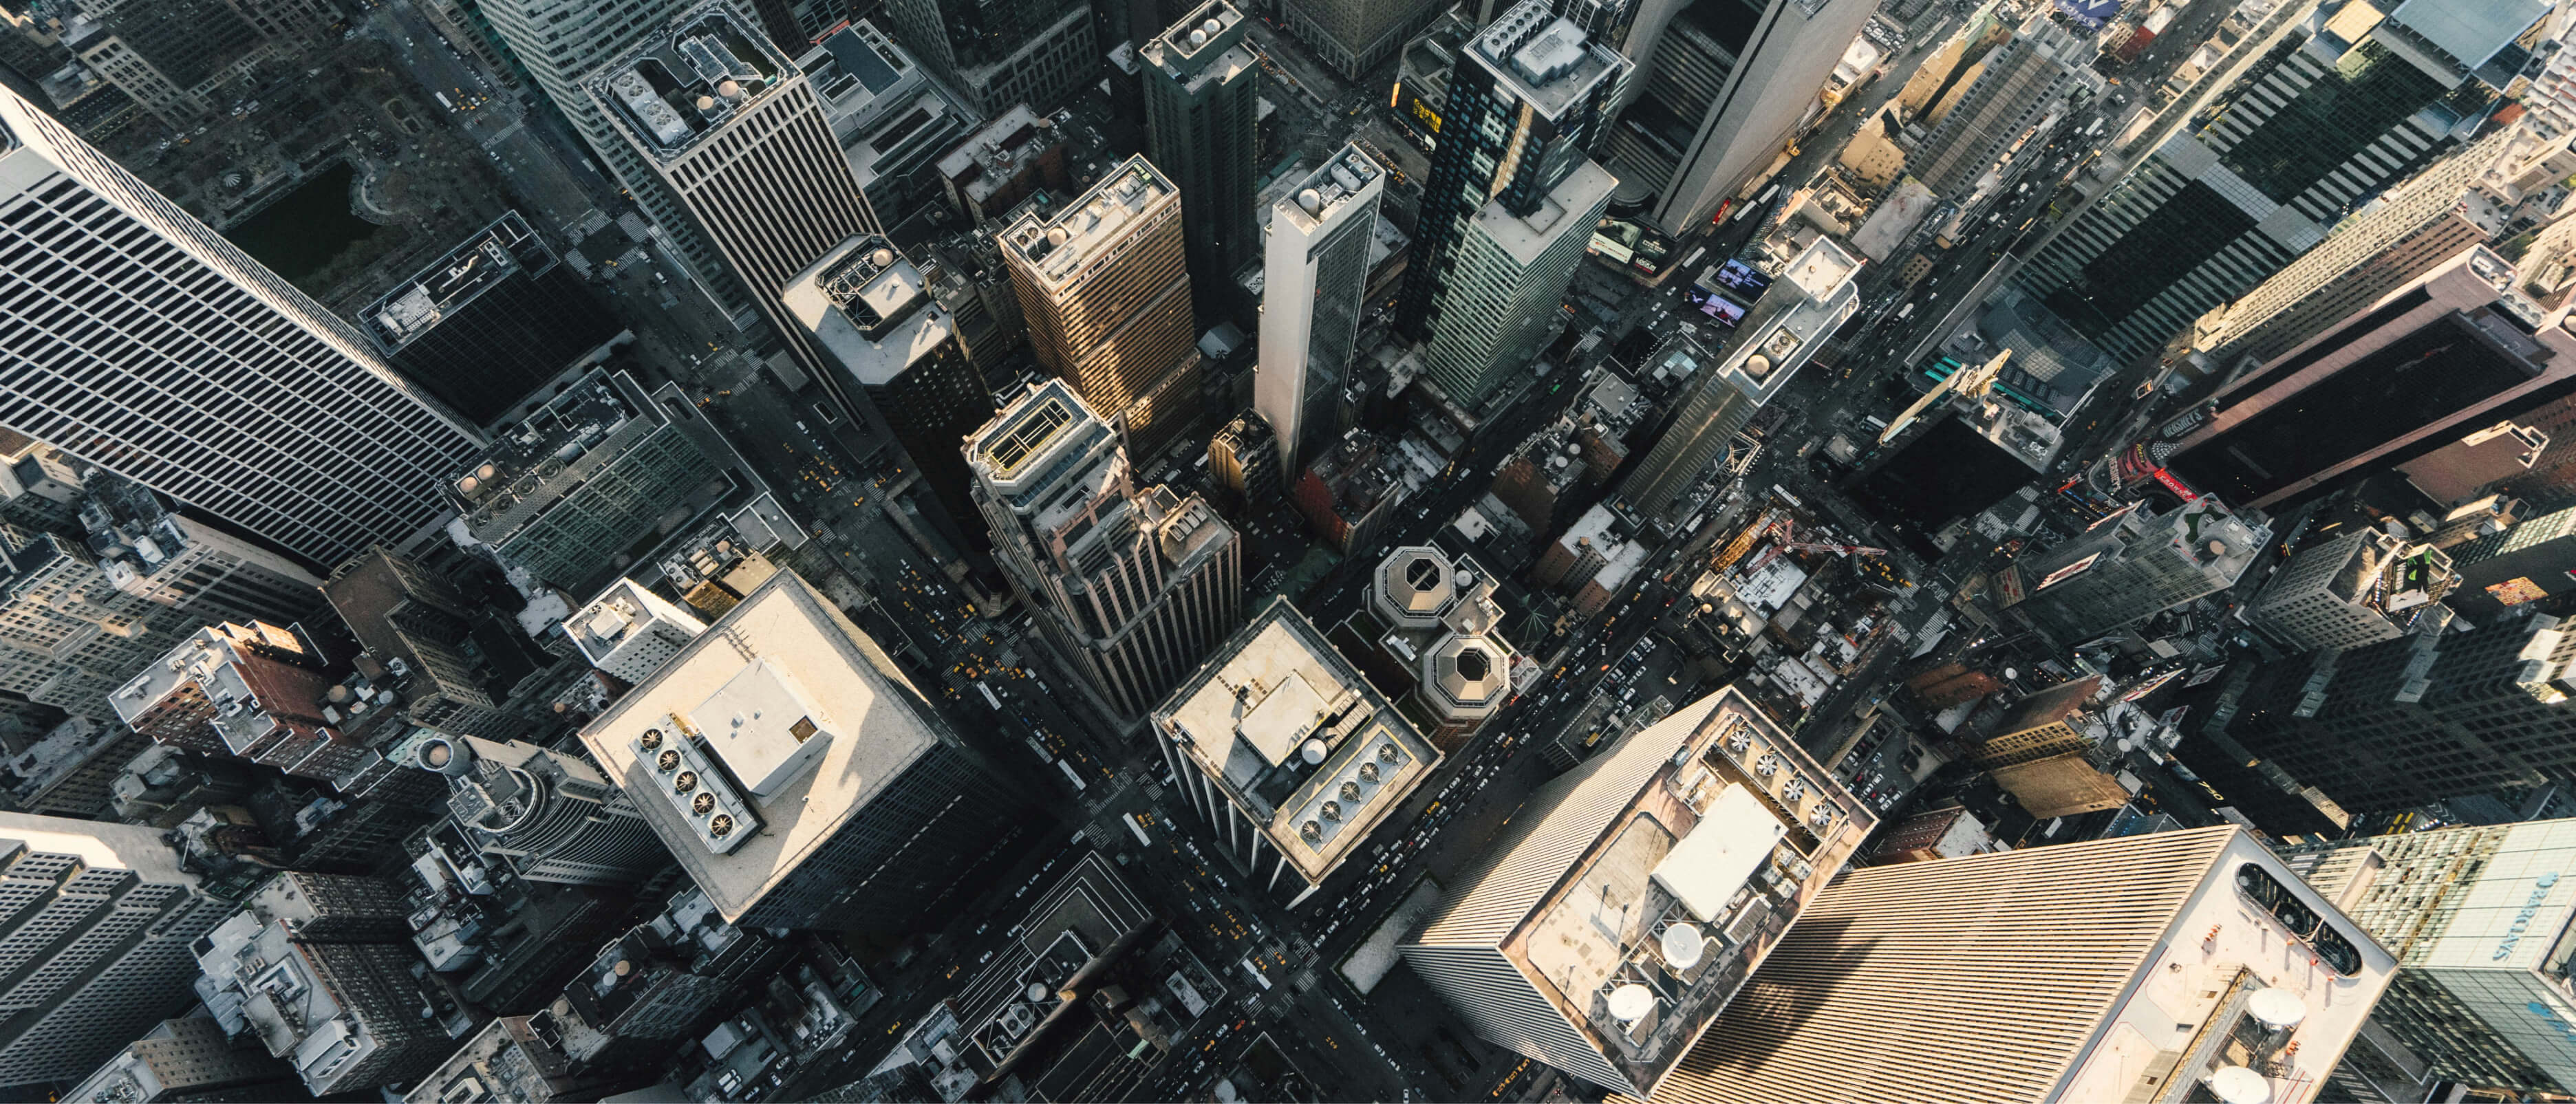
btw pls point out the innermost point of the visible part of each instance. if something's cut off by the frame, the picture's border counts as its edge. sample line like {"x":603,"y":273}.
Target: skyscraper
{"x":870,"y":313}
{"x":1106,"y":293}
{"x":1296,"y":774}
{"x":1626,"y":902}
{"x":1201,"y":91}
{"x":562,"y":43}
{"x":801,"y":780}
{"x":1794,"y":316}
{"x":2479,"y":920}
{"x":1511,"y":198}
{"x":2135,"y":564}
{"x":2419,"y":718}
{"x":2353,"y":589}
{"x":185,"y":1059}
{"x":1134,"y":586}
{"x":2318,"y":126}
{"x":253,"y":691}
{"x":551,"y":817}
{"x":98,"y":921}
{"x":68,"y":636}
{"x":1353,"y":36}
{"x":1314,"y":273}
{"x":2442,"y":356}
{"x":2021,"y":81}
{"x":2466,"y":199}
{"x":733,"y":130}
{"x":355,"y":1014}
{"x":1722,"y":85}
{"x":249,"y":401}
{"x":1035,"y":52}
{"x":2186,"y":965}
{"x":489,"y":322}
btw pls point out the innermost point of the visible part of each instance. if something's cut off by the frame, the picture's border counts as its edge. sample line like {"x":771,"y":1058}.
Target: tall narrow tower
{"x":1202,"y":89}
{"x":732,"y":128}
{"x":1106,"y":293}
{"x":2021,"y":80}
{"x":136,"y":338}
{"x":1314,"y":272}
{"x":1133,"y":585}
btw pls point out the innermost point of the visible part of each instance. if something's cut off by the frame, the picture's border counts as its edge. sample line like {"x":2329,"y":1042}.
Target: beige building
{"x":2177,"y":966}
{"x":1106,"y":293}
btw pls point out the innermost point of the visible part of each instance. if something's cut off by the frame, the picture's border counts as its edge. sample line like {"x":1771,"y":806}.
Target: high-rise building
{"x":1720,"y":89}
{"x":568,"y":491}
{"x":94,"y":939}
{"x":735,"y":133}
{"x":512,"y":1059}
{"x":40,"y":488}
{"x":1511,"y":200}
{"x":1202,"y":89}
{"x":489,"y":322}
{"x":2480,"y":195}
{"x":252,"y":691}
{"x":656,"y":982}
{"x":1106,"y":291}
{"x":2442,"y":356}
{"x":2420,"y":718}
{"x":2480,"y":927}
{"x":2334,"y":112}
{"x":894,"y":122}
{"x":2354,"y":589}
{"x":416,"y":627}
{"x":68,"y":636}
{"x":2184,"y":965}
{"x":874,"y":319}
{"x":2020,"y":81}
{"x":551,"y":817}
{"x":1288,"y":752}
{"x":1036,"y":52}
{"x":1243,"y":464}
{"x":1793,"y":318}
{"x":1314,"y":270}
{"x":798,"y":776}
{"x":1354,"y":36}
{"x":1133,"y":585}
{"x":320,"y":969}
{"x":2136,"y":564}
{"x":1439,"y":632}
{"x":630,"y":632}
{"x":150,"y":550}
{"x":186,"y":1060}
{"x":1628,"y":900}
{"x":263,"y":409}
{"x":2042,"y":724}
{"x":562,"y":43}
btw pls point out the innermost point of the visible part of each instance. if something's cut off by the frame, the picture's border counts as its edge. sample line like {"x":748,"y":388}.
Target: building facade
{"x":264,"y":409}
{"x":1134,"y":586}
{"x":2330,"y":113}
{"x":1314,"y":272}
{"x":1036,"y":52}
{"x":1202,"y":94}
{"x":2136,"y":564}
{"x":2355,"y":589}
{"x":552,"y":818}
{"x":2173,"y":995}
{"x":2022,"y":80}
{"x":98,"y":921}
{"x":318,"y":968}
{"x":1105,"y":288}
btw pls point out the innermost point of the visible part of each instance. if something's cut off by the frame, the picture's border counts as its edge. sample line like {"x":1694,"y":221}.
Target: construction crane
{"x":1787,"y":531}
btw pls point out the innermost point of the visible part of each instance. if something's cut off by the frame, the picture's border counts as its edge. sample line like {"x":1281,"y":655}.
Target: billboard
{"x":2090,"y":13}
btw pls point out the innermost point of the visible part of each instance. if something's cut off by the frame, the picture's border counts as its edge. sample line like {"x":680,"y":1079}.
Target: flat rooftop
{"x":495,"y":253}
{"x":1297,"y":739}
{"x":1087,"y":228}
{"x":680,"y":83}
{"x":1544,"y":58}
{"x":1525,"y":237}
{"x":1342,"y":180}
{"x":869,"y":307}
{"x":781,"y":658}
{"x":530,"y":466}
{"x":1033,"y":445}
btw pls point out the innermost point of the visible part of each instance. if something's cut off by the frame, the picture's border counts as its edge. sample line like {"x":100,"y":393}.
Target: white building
{"x":1314,"y":266}
{"x":630,"y":632}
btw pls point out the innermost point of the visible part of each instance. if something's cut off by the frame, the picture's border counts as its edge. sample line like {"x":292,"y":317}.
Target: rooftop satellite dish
{"x":2238,"y":1085}
{"x":1312,"y":752}
{"x":1056,"y":235}
{"x":2278,"y":1009}
{"x":1311,"y":201}
{"x":730,"y":89}
{"x":1683,"y":945}
{"x":1198,"y":38}
{"x":1036,"y":991}
{"x":706,"y":103}
{"x":2011,"y":674}
{"x":1629,"y":1003}
{"x":881,"y":258}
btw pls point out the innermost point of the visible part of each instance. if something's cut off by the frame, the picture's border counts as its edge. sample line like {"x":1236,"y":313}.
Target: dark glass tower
{"x":1202,"y":91}
{"x":489,"y":322}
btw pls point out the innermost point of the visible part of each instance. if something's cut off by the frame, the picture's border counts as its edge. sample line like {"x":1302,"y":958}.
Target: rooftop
{"x":1342,"y":180}
{"x":1031,"y":446}
{"x":870,"y":308}
{"x":998,"y":153}
{"x":1525,"y":237}
{"x":495,"y":253}
{"x":1085,"y":230}
{"x":806,"y":714}
{"x":554,"y":449}
{"x":679,"y":84}
{"x":1297,"y":739}
{"x":1815,"y":294}
{"x":1544,"y":58}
